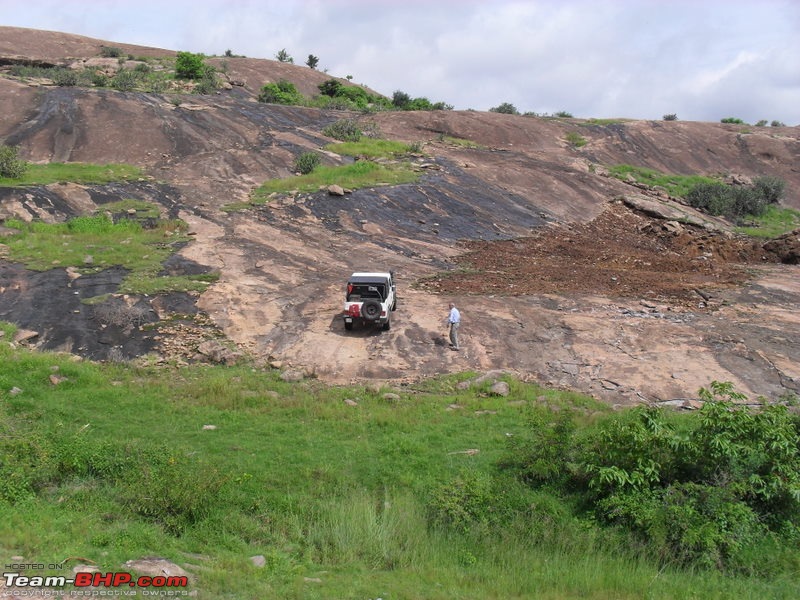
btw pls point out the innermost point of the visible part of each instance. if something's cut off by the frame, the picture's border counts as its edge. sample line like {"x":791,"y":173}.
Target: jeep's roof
{"x":369,"y":277}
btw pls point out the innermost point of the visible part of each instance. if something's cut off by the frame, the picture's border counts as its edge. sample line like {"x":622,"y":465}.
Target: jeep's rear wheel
{"x":371,"y":310}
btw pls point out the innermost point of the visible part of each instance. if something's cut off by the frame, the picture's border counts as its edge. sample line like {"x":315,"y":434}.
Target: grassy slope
{"x":334,"y":496}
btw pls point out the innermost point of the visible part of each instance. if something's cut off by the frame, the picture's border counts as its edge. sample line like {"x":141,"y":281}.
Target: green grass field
{"x":115,"y":463}
{"x":357,"y":175}
{"x":86,"y":173}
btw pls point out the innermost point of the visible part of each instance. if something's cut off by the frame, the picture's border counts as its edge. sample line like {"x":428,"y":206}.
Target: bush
{"x":330,"y":88}
{"x":505,"y":108}
{"x":575,"y":139}
{"x":400,"y":99}
{"x":564,"y":114}
{"x":282,"y":92}
{"x":10,"y":166}
{"x":306,"y":162}
{"x":670,"y":117}
{"x":189,"y":65}
{"x":126,"y":80}
{"x":704,"y":491}
{"x":761,"y":123}
{"x":346,"y":130}
{"x":777,"y":124}
{"x":110,"y":52}
{"x":737,"y":201}
{"x":772,"y":189}
{"x":65,"y":77}
{"x":732,"y":120}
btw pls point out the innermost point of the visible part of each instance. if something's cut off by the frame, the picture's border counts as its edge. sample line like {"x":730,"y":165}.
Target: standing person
{"x":454,"y":320}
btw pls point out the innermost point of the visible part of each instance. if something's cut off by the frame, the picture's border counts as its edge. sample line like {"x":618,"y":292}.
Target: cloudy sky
{"x":700,"y":59}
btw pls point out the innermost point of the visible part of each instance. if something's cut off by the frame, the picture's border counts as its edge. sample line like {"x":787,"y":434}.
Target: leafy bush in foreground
{"x":10,"y":165}
{"x":709,"y":490}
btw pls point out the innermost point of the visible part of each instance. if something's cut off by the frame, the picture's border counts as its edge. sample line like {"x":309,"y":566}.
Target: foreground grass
{"x":114,"y":464}
{"x":86,"y":173}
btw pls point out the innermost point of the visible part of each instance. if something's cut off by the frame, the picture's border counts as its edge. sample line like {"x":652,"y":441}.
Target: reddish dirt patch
{"x":619,"y":254}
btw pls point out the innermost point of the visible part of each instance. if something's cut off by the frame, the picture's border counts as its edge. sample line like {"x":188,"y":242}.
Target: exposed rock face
{"x":787,"y":247}
{"x":562,"y":304}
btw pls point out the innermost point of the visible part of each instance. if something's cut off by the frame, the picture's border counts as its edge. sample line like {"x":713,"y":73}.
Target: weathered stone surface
{"x":787,"y":247}
{"x":335,"y":190}
{"x":499,"y":388}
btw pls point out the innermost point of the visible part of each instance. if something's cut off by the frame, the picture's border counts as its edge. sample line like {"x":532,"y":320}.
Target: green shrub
{"x":110,"y":52}
{"x":126,"y":80}
{"x":777,"y":124}
{"x":505,"y":108}
{"x":761,"y":123}
{"x":176,"y":492}
{"x":670,"y":117}
{"x":65,"y":77}
{"x":281,"y":92}
{"x":306,"y":162}
{"x":400,"y":99}
{"x":208,"y":83}
{"x":733,"y":120}
{"x":737,"y":201}
{"x":702,"y":491}
{"x":345,"y":130}
{"x":189,"y":65}
{"x":564,"y":114}
{"x":331,"y":87}
{"x":465,"y":502}
{"x":772,"y":189}
{"x":10,"y":166}
{"x":575,"y":139}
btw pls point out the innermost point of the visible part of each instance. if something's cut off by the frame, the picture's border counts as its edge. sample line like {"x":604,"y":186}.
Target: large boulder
{"x":786,"y":247}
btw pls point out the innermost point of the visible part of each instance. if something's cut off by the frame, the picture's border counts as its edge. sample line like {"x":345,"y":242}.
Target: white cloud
{"x":607,"y":58}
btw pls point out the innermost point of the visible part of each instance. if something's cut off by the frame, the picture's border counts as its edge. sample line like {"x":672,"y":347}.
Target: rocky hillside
{"x":488,"y":177}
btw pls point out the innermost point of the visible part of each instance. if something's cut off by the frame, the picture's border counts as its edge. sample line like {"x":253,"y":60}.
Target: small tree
{"x":777,"y":124}
{"x":732,"y":120}
{"x":312,"y":61}
{"x":189,"y":65}
{"x":330,"y":88}
{"x":505,"y":108}
{"x":10,"y":166}
{"x":670,"y":117}
{"x":283,"y":56}
{"x":306,"y":162}
{"x":761,"y":123}
{"x":400,"y":99}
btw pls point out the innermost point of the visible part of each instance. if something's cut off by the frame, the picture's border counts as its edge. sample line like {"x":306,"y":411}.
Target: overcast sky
{"x":700,"y":59}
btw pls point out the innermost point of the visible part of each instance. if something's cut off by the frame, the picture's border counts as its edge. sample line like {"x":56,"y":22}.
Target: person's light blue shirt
{"x":455,"y":316}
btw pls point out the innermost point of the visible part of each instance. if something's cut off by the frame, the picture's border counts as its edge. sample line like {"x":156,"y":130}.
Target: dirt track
{"x":627,"y":339}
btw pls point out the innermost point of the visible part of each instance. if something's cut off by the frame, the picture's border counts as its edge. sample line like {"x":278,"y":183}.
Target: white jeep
{"x":370,"y":299}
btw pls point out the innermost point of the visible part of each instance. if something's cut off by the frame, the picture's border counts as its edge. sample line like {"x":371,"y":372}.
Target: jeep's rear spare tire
{"x":371,"y":310}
